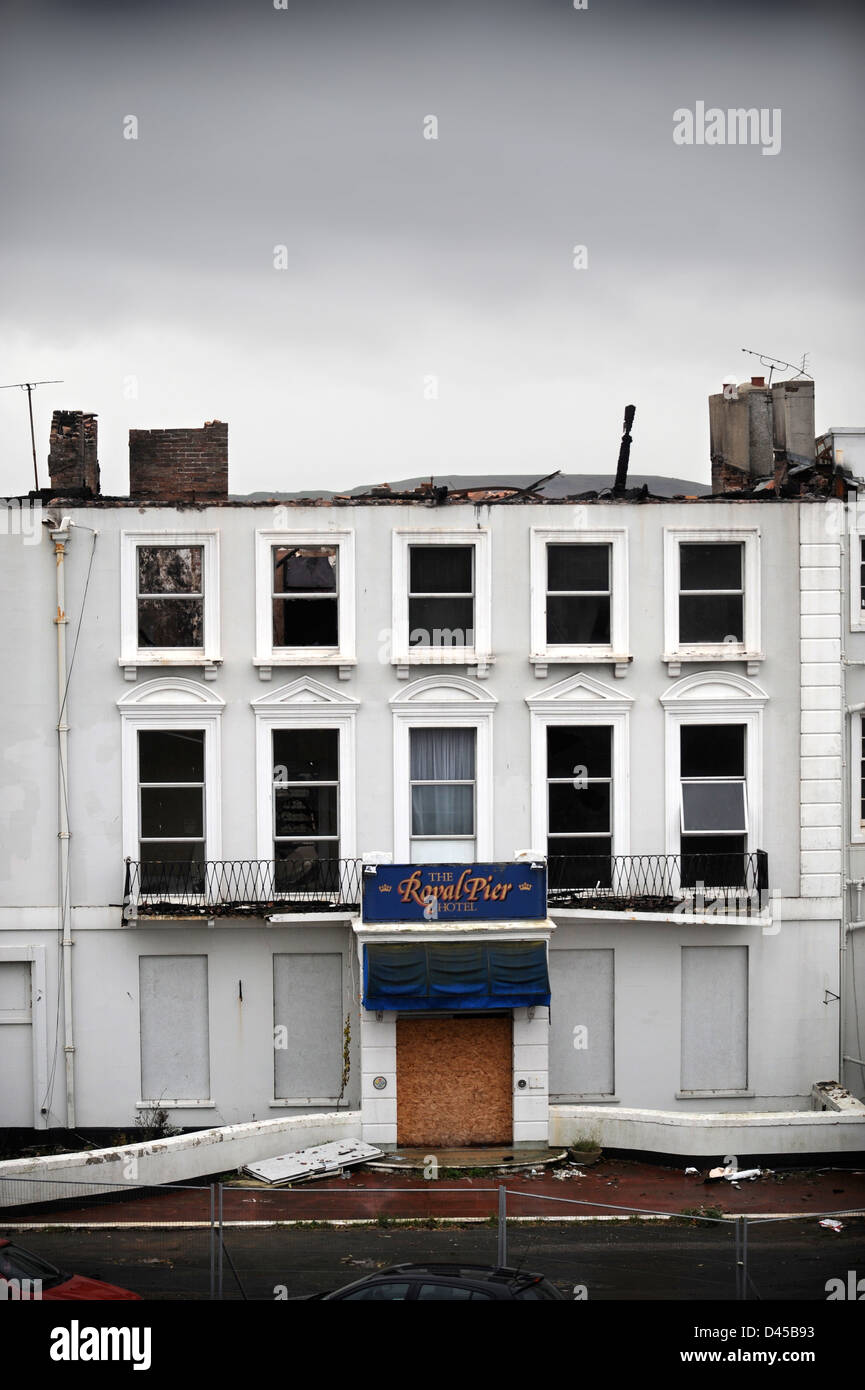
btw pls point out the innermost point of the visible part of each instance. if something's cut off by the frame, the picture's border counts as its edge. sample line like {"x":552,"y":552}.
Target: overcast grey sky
{"x":147,"y":265}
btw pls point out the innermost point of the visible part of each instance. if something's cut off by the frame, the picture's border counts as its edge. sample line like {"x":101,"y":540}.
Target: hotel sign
{"x":454,"y":892}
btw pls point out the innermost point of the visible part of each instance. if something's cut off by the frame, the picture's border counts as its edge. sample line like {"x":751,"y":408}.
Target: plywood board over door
{"x":454,"y":1081}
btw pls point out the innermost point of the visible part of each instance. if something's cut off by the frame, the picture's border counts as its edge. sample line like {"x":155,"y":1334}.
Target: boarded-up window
{"x":175,"y":1031}
{"x":308,"y":1026}
{"x":582,"y":1033}
{"x":16,"y":1044}
{"x":714,"y":1018}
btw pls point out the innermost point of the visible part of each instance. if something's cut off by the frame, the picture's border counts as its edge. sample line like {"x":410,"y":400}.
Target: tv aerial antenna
{"x":774,"y":362}
{"x":28,"y":387}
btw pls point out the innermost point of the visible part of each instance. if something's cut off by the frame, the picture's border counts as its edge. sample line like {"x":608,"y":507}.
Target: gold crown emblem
{"x":525,"y":888}
{"x":384,"y":888}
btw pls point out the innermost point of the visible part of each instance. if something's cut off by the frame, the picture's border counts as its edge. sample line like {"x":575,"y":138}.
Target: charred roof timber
{"x":624,"y":451}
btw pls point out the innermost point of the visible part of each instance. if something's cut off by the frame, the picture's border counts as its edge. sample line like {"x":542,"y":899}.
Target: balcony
{"x":733,"y":885}
{"x":240,"y":887}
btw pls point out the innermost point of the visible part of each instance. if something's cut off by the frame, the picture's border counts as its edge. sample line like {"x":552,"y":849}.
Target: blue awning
{"x":455,"y":975}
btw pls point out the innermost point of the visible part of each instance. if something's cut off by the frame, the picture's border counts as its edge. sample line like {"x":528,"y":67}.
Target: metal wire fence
{"x":243,"y":1242}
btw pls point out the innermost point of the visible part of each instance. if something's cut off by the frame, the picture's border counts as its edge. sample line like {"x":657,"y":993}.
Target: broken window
{"x":171,"y":596}
{"x":171,"y":809}
{"x":306,"y":808}
{"x":442,"y":778}
{"x":714,"y":805}
{"x":441,"y":604}
{"x":578,"y":595}
{"x":579,"y":803}
{"x":711,"y":592}
{"x":305,"y":596}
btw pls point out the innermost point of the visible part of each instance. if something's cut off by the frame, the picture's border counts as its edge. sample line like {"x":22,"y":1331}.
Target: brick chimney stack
{"x":72,"y":454}
{"x":188,"y":465}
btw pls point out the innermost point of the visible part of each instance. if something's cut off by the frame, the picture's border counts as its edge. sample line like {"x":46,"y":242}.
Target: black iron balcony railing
{"x":729,"y":884}
{"x":240,"y":887}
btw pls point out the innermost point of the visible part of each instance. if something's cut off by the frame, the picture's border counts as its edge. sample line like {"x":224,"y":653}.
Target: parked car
{"x":20,"y":1265}
{"x":445,"y":1283}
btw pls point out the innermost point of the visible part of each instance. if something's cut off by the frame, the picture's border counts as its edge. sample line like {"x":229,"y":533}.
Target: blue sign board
{"x":458,"y":893}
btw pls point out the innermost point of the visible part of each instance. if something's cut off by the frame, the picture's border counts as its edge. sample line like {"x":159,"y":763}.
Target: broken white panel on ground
{"x":321,"y":1161}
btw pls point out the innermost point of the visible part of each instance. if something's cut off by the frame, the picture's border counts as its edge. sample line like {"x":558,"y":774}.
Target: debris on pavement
{"x":836,"y":1226}
{"x":320,"y":1161}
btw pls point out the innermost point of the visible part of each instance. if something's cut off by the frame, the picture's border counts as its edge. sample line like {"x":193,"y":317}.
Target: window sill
{"x":587,"y":1099}
{"x":709,"y":655}
{"x":714,"y":1095}
{"x":443,"y":656}
{"x":305,"y":1102}
{"x":175,"y":1104}
{"x":209,"y":664}
{"x":305,"y":656}
{"x":580,"y":656}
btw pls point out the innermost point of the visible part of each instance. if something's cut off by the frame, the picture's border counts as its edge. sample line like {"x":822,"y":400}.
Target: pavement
{"x":613,"y":1187}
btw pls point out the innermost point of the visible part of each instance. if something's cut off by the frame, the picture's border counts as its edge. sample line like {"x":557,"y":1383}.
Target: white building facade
{"x":261,"y":703}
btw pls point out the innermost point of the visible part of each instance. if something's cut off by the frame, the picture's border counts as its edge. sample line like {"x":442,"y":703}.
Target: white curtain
{"x":445,"y":757}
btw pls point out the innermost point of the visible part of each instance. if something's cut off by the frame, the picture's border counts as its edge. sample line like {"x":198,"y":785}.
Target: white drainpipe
{"x":60,"y":538}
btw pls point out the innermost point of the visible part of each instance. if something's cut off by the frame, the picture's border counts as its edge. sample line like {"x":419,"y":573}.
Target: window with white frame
{"x":442,"y":770}
{"x":171,"y":790}
{"x":305,"y":778}
{"x":580,"y":779}
{"x":441,"y":599}
{"x":579,"y":801}
{"x":443,"y":788}
{"x":579,"y":597}
{"x":305,"y":610}
{"x":857,"y":577}
{"x":857,"y":779}
{"x":714,"y":803}
{"x":714,"y":776}
{"x":441,"y":595}
{"x":712,"y":596}
{"x":171,"y":845}
{"x":169,"y":587}
{"x":305,"y":806}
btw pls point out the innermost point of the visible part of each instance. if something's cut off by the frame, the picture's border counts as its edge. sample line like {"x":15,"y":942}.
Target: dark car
{"x":445,"y":1283}
{"x":24,"y":1275}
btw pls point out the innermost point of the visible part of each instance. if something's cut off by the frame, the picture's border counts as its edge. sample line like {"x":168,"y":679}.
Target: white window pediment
{"x":448,"y":690}
{"x":580,"y":690}
{"x":170,"y":693}
{"x":304,"y":691}
{"x":714,"y":687}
